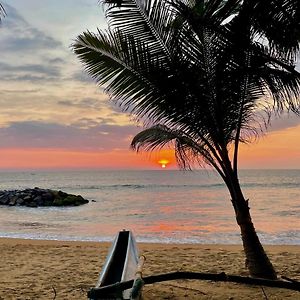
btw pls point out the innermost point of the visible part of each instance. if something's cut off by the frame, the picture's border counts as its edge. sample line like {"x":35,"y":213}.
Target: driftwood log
{"x":284,"y":284}
{"x":138,"y":281}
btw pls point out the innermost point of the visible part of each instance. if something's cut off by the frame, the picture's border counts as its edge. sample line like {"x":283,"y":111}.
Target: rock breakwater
{"x":40,"y":197}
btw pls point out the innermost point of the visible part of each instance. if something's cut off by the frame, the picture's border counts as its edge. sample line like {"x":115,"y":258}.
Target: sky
{"x":52,"y":115}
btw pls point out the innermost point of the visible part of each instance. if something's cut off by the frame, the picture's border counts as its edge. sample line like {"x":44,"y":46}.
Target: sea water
{"x":158,"y":206}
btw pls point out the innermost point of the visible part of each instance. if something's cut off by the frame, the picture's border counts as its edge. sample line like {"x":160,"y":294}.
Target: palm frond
{"x":147,"y":20}
{"x":2,"y":12}
{"x":108,"y":59}
{"x":279,"y":22}
{"x":187,"y":150}
{"x":207,"y":14}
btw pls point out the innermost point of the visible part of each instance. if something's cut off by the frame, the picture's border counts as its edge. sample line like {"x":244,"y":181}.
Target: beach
{"x":39,"y":269}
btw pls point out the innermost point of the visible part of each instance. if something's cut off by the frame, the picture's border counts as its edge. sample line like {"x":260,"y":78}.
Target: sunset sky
{"x":53,"y":116}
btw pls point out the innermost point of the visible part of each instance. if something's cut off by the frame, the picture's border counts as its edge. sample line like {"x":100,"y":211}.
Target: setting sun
{"x":163,"y":162}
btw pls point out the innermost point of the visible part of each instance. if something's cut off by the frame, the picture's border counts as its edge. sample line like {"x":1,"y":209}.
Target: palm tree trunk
{"x":257,"y":260}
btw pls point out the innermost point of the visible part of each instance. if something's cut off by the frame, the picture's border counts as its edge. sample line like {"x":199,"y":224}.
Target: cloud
{"x":27,"y":53}
{"x":47,"y":100}
{"x":82,"y":77}
{"x":34,"y":134}
{"x":283,"y":122}
{"x":31,"y":72}
{"x":18,"y":35}
{"x":87,"y":122}
{"x":19,"y":91}
{"x":86,"y":103}
{"x":56,"y":61}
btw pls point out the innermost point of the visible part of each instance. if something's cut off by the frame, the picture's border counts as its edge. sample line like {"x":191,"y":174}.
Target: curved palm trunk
{"x":257,"y":260}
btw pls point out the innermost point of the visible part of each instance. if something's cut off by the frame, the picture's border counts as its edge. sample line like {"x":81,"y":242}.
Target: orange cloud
{"x":280,"y":149}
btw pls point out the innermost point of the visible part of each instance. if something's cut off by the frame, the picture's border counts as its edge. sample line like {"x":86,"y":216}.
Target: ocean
{"x":158,"y":206}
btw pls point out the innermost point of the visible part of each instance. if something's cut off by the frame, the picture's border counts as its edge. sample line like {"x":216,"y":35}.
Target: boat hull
{"x":120,"y":265}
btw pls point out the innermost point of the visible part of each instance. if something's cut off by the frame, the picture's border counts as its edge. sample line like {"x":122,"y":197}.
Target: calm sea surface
{"x":159,"y":206}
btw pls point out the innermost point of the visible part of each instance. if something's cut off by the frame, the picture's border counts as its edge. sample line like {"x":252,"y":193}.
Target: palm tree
{"x":203,"y":76}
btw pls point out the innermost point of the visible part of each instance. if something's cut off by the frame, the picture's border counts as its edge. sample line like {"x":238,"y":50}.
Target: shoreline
{"x":94,"y":243}
{"x":109,"y":240}
{"x":34,"y":269}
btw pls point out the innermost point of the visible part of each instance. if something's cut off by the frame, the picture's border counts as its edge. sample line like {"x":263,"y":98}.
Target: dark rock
{"x":4,"y":199}
{"x":40,"y":197}
{"x":69,"y":200}
{"x":13,"y":199}
{"x":38,"y":200}
{"x":47,"y":198}
{"x":27,"y":199}
{"x":11,"y":202}
{"x":62,"y":194}
{"x":19,"y":201}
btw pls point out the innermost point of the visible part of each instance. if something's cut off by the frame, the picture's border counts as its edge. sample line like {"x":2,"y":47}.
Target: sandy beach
{"x":35,"y":269}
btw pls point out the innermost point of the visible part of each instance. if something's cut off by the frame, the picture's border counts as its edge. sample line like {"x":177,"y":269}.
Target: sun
{"x":163,"y":163}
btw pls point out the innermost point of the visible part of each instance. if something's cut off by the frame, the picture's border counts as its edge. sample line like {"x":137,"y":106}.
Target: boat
{"x":121,"y":265}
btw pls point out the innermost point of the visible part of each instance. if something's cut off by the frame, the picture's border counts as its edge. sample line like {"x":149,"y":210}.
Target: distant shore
{"x":39,"y":269}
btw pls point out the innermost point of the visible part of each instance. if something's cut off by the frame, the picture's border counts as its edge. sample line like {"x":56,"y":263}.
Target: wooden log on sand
{"x":284,"y":284}
{"x":136,"y":292}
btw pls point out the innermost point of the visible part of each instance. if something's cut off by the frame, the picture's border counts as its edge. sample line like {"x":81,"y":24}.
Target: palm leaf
{"x":187,"y":149}
{"x":2,"y":12}
{"x":279,"y":22}
{"x":147,"y":20}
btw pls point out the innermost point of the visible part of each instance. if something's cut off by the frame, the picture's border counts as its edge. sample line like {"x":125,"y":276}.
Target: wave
{"x":282,"y":238}
{"x":271,"y":185}
{"x":255,"y":185}
{"x":142,"y":186}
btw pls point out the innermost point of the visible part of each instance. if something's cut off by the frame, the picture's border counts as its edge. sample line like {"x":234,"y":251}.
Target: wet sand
{"x":35,"y":269}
